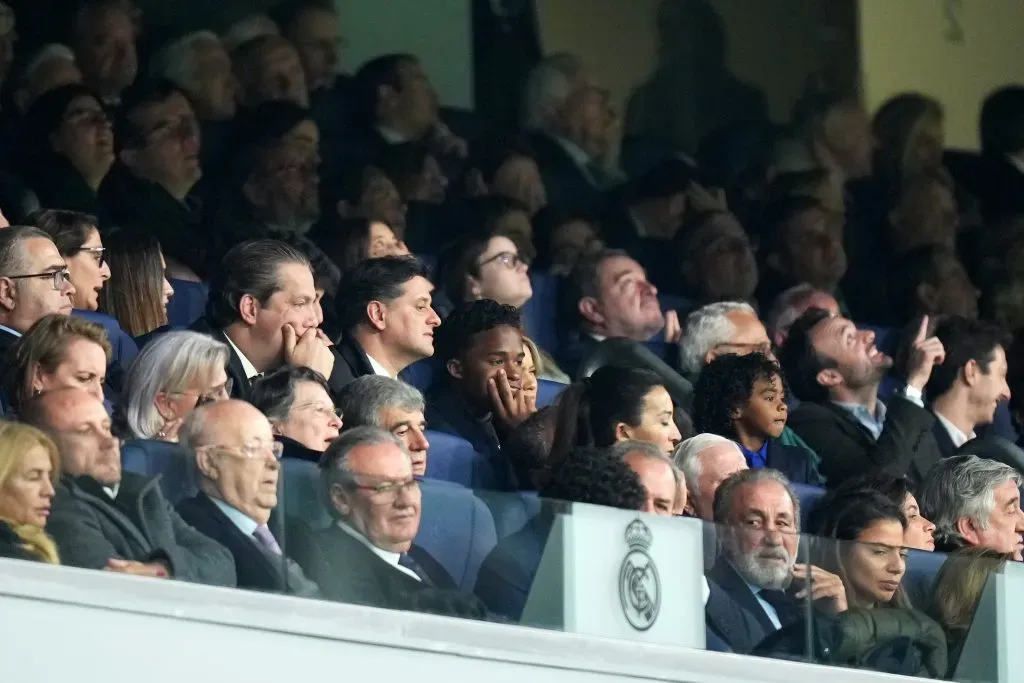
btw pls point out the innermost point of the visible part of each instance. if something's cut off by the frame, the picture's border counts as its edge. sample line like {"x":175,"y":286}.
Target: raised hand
{"x":307,"y":351}
{"x":926,"y":353}
{"x":823,"y":585}
{"x":510,"y":408}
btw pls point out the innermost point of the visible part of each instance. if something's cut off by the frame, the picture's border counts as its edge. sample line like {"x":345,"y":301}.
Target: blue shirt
{"x":244,"y":523}
{"x":872,"y":423}
{"x":756,"y":460}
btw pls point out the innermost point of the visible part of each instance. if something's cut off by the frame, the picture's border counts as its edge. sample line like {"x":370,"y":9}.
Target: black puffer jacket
{"x":890,"y":640}
{"x":12,"y":546}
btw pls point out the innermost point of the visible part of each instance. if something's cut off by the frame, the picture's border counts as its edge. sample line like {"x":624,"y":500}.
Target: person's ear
{"x":474,"y":288}
{"x":163,"y":406}
{"x":926,"y":295}
{"x":590,"y":310}
{"x":8,"y":294}
{"x":830,"y":378}
{"x":689,"y":510}
{"x":454,"y":367}
{"x":253,"y":193}
{"x":709,"y":356}
{"x":36,"y":381}
{"x":377,"y":314}
{"x":340,"y":500}
{"x":623,"y":432}
{"x":971,"y":373}
{"x":736,"y":412}
{"x":129,"y":156}
{"x":207,"y":464}
{"x":248,"y":309}
{"x":968,"y":531}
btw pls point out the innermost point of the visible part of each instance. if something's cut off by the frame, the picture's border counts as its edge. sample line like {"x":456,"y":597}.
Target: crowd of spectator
{"x":374,"y":274}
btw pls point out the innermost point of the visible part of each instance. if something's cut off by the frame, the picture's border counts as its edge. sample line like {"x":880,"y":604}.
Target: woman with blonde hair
{"x":29,"y":469}
{"x":58,"y":352}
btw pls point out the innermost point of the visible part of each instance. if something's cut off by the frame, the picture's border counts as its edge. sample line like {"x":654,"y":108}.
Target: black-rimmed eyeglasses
{"x":509,"y":259}
{"x":60,"y":277}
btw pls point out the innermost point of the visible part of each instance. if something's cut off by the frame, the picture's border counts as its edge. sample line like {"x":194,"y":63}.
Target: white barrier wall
{"x":59,"y":624}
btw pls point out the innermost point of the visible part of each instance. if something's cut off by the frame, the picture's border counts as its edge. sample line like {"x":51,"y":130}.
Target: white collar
{"x":641,"y":229}
{"x":575,"y":152}
{"x":10,"y":330}
{"x":1015,"y":162}
{"x":112,"y":490}
{"x":597,"y":337}
{"x":388,"y":556}
{"x":247,"y":367}
{"x":955,"y":435}
{"x":245,"y":524}
{"x":391,"y":136}
{"x":378,"y":368}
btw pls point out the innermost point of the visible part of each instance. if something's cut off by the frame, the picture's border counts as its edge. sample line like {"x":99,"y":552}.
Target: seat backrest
{"x":456,"y":528}
{"x":548,"y":391}
{"x":420,"y":374}
{"x":809,"y":497}
{"x":451,"y":458}
{"x":540,"y":313}
{"x":188,"y":303}
{"x":919,"y":580}
{"x":511,"y":511}
{"x":169,"y":461}
{"x":302,"y":498}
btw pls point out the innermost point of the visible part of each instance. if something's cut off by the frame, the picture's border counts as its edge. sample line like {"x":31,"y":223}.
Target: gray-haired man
{"x":974,"y":503}
{"x":391,"y":405}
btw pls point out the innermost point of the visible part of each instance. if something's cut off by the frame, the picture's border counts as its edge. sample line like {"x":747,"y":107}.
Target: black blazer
{"x":1002,"y":193}
{"x":255,"y":569}
{"x":905,"y":448}
{"x":942,"y":439}
{"x":567,"y":186}
{"x":348,"y":571}
{"x":795,"y":462}
{"x":350,"y":362}
{"x":447,"y":412}
{"x":734,"y":614}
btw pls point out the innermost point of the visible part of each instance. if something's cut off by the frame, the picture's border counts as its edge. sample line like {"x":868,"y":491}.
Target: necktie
{"x":266,"y":539}
{"x":412,"y":565}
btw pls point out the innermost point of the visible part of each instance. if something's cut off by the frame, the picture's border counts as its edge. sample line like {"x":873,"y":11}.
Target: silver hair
{"x":247,"y":28}
{"x":687,"y":457}
{"x":176,"y":61}
{"x":334,"y":464}
{"x":13,"y":257}
{"x":706,"y":328}
{"x":363,"y":400}
{"x":548,"y":87}
{"x":46,"y":53}
{"x":962,"y":486}
{"x":783,"y":312}
{"x":727,"y":492}
{"x":169,"y":363}
{"x":620,"y":449}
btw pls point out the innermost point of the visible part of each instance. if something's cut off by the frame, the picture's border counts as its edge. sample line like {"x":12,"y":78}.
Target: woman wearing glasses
{"x":172,"y":375}
{"x":298,"y":404}
{"x":57,"y":352}
{"x":78,"y":241}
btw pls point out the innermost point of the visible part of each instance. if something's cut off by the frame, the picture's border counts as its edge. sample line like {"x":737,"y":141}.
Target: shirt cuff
{"x":914,"y":395}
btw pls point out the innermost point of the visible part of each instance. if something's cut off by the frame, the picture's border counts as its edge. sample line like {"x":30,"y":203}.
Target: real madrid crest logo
{"x":639,"y":585}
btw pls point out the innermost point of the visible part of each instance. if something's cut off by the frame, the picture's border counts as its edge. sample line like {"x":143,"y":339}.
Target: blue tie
{"x":406,"y":560}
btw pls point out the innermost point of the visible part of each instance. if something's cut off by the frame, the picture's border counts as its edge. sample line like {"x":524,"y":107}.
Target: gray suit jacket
{"x":140,"y":525}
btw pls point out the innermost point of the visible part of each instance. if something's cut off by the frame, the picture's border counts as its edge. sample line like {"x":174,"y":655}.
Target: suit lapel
{"x":236,"y":541}
{"x":749,"y":619}
{"x":942,"y":439}
{"x":84,"y":489}
{"x":241,"y":386}
{"x":353,"y":354}
{"x":849,"y":423}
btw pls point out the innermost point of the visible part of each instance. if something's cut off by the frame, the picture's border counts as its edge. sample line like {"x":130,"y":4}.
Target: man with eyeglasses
{"x":237,"y":466}
{"x":105,"y":518}
{"x":367,"y":556}
{"x":150,"y":187}
{"x":34,"y":282}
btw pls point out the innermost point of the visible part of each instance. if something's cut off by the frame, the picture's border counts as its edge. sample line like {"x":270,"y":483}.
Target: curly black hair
{"x":455,"y":335}
{"x":594,"y":476}
{"x":724,"y":385}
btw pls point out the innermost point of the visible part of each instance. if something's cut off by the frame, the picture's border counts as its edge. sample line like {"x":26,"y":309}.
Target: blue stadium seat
{"x":187,"y":305}
{"x":540,"y":314}
{"x":453,"y":459}
{"x":548,"y":391}
{"x":809,"y":497}
{"x":455,"y":527}
{"x":123,"y":346}
{"x":511,"y":511}
{"x":420,"y":374}
{"x":922,"y":569}
{"x":169,"y":461}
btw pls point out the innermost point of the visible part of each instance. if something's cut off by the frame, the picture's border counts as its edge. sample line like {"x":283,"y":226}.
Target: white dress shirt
{"x":391,"y":558}
{"x":955,"y":435}
{"x":391,"y":136}
{"x":247,"y":367}
{"x":378,"y":368}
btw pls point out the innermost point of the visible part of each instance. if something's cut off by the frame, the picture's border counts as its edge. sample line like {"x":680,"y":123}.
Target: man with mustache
{"x":836,"y":370}
{"x":756,"y":585}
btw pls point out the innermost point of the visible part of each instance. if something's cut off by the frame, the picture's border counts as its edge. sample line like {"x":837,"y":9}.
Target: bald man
{"x":103,"y":518}
{"x":237,"y":463}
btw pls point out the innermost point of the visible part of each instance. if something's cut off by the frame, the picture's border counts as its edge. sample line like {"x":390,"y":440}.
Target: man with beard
{"x":835,"y":370}
{"x":756,"y":585}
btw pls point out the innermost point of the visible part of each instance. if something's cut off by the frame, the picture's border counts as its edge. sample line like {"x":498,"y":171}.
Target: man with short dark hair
{"x":480,"y":397}
{"x":104,"y":518}
{"x":104,"y":35}
{"x":149,"y":188}
{"x":314,"y":29}
{"x":262,"y":304}
{"x":386,"y":318}
{"x":34,"y":282}
{"x":391,"y":405}
{"x":969,"y":384}
{"x":1002,"y":143}
{"x":835,"y":370}
{"x":610,"y":296}
{"x":268,"y":68}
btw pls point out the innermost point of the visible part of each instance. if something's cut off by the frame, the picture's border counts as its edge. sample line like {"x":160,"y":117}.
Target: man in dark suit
{"x":236,"y":461}
{"x":572,"y":129}
{"x":1002,"y":142}
{"x":749,"y":581}
{"x":480,"y":396}
{"x":103,"y":518}
{"x":967,"y":387}
{"x":835,"y":370}
{"x":262,"y":305}
{"x":365,"y":556}
{"x":34,"y":281}
{"x":386,"y":317}
{"x":607,"y":295}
